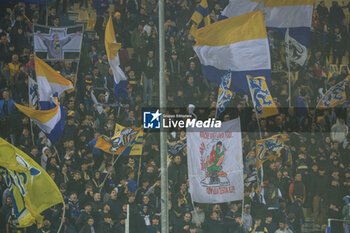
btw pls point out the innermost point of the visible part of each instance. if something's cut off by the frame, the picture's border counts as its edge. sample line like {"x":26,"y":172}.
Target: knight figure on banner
{"x":213,"y":154}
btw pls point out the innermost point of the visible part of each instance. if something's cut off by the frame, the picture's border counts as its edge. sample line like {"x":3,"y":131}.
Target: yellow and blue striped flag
{"x":32,"y":190}
{"x":238,"y":44}
{"x":112,"y":48}
{"x":262,"y":99}
{"x":51,"y":121}
{"x":50,"y":83}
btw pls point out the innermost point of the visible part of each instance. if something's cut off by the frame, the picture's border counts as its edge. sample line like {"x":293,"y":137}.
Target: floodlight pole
{"x":163,"y":135}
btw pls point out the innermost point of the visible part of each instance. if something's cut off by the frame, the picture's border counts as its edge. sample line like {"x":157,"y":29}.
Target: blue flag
{"x":225,"y":94}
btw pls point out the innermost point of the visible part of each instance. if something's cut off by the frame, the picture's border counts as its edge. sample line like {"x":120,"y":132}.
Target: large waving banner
{"x":57,"y":43}
{"x":215,"y":166}
{"x":32,"y":190}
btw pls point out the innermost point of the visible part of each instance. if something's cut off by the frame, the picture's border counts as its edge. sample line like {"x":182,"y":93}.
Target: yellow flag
{"x":32,"y":190}
{"x":126,"y":140}
{"x":269,"y":148}
{"x":112,"y":47}
{"x":134,"y":148}
{"x":335,"y":95}
{"x":262,"y":99}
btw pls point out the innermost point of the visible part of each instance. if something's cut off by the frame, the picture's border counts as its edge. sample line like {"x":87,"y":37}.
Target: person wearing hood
{"x":339,"y":130}
{"x":44,"y":156}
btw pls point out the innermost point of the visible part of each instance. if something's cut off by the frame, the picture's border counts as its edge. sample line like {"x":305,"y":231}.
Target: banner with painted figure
{"x":57,"y":43}
{"x":269,"y":148}
{"x":126,"y":140}
{"x":31,"y":189}
{"x":215,"y":166}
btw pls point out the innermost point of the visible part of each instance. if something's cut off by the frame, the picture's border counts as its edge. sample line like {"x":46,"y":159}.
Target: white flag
{"x":215,"y":166}
{"x":295,"y":51}
{"x":33,"y":93}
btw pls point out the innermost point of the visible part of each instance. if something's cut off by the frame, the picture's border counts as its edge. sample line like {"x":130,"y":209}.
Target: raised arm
{"x":41,"y":37}
{"x":74,"y":35}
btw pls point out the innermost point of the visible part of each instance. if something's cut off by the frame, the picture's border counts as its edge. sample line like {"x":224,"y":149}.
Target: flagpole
{"x":163,"y":135}
{"x":30,"y":120}
{"x":127,"y":222}
{"x":259,"y":128}
{"x":289,"y":87}
{"x":62,"y":220}
{"x":261,"y":167}
{"x":288,"y":64}
{"x":138,"y":172}
{"x":108,"y":173}
{"x":256,"y":114}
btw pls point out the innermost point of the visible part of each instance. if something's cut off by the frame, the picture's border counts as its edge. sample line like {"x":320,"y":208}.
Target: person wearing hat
{"x":143,"y":219}
{"x":174,"y":68}
{"x":150,"y":28}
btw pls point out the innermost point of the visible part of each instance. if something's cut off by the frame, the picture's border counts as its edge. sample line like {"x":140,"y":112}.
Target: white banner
{"x":58,"y":43}
{"x":215,"y":166}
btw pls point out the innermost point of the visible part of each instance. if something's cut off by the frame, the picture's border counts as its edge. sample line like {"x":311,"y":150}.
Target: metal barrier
{"x":329,"y":230}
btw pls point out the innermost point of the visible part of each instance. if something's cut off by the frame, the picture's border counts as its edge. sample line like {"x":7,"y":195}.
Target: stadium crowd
{"x":310,"y":181}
